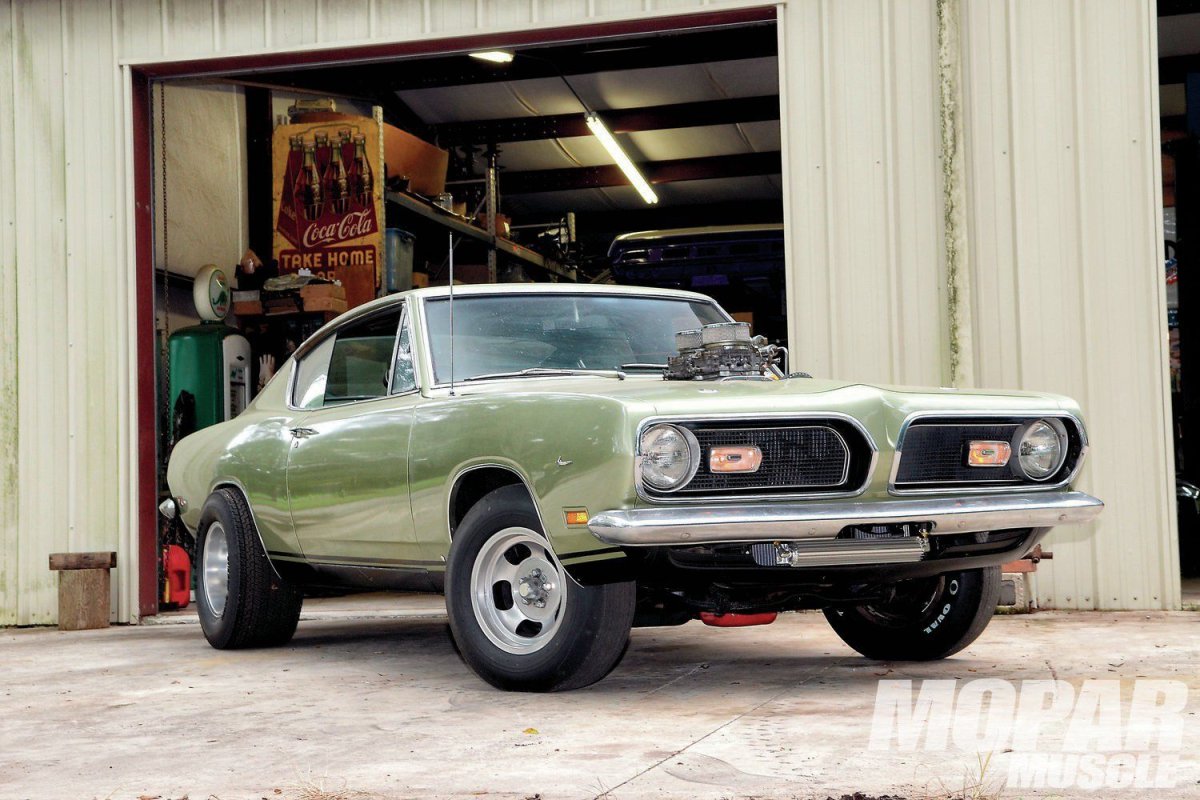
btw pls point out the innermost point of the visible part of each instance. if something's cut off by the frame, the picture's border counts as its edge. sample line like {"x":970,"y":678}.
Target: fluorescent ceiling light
{"x":596,"y":126}
{"x":495,"y":56}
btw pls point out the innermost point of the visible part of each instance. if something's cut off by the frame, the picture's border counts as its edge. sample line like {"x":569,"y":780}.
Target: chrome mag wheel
{"x":518,"y":591}
{"x":215,"y":563}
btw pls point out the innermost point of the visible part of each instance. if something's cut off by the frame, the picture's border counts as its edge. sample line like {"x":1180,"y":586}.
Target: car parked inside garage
{"x":566,"y":462}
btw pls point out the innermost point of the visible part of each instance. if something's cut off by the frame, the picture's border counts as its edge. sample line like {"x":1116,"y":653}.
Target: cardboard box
{"x":337,"y":305}
{"x":420,"y":280}
{"x":248,"y":308}
{"x":285,"y":304}
{"x":316,"y":290}
{"x":423,"y":164}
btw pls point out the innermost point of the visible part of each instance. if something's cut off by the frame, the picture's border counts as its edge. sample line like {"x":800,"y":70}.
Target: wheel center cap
{"x":535,"y":588}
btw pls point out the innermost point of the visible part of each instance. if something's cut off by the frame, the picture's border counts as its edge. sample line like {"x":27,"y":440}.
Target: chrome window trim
{"x":740,"y":498}
{"x":982,"y":487}
{"x":426,"y":339}
{"x":317,"y":338}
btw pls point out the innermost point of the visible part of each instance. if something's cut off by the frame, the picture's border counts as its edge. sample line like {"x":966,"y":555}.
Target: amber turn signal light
{"x":734,"y":458}
{"x":577,"y":517}
{"x":988,"y":454}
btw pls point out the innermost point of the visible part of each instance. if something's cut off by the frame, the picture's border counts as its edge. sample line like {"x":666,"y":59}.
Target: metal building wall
{"x":1061,"y":280}
{"x":867,"y":271}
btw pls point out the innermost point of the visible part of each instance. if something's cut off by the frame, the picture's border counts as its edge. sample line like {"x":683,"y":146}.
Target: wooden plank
{"x":73,"y":561}
{"x":83,"y":599}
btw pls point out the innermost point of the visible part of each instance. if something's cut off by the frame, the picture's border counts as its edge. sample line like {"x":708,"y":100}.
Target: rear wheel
{"x":924,"y":619}
{"x":241,"y":601}
{"x":518,"y":618}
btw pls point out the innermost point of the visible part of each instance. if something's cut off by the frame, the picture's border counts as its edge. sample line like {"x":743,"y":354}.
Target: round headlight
{"x":1041,"y":449}
{"x":670,"y":457}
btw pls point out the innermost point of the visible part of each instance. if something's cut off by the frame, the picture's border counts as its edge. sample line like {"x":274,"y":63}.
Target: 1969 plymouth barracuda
{"x":568,"y":462}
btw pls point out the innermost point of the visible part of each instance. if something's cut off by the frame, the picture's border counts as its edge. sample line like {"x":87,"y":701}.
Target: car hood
{"x":652,"y":396}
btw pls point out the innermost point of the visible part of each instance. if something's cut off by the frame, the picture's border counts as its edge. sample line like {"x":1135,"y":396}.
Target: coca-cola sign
{"x":329,"y":202}
{"x":351,"y":226}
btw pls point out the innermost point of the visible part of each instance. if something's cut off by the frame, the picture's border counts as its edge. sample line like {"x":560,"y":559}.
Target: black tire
{"x":591,"y":635}
{"x":261,"y":609}
{"x":928,"y":619}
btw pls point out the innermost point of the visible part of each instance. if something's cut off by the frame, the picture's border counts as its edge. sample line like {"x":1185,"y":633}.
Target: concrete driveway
{"x":371,"y":700}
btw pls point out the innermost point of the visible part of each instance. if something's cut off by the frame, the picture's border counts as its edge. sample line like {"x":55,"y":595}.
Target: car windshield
{"x":499,"y":334}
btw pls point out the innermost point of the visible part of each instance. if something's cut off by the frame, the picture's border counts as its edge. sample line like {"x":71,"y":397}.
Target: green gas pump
{"x":209,"y":376}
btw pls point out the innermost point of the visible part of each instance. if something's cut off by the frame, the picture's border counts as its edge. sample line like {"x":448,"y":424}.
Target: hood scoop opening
{"x":725,"y":351}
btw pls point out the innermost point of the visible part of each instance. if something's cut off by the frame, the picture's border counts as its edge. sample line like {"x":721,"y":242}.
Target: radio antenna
{"x":451,"y":259}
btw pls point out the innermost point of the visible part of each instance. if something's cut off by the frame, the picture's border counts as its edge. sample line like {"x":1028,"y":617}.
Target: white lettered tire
{"x":928,"y":619}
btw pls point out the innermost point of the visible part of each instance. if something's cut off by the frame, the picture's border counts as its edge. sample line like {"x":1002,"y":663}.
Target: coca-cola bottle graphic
{"x":337,"y":189}
{"x":363,"y":187}
{"x":294,"y":160}
{"x":321,"y":143}
{"x":308,"y":185}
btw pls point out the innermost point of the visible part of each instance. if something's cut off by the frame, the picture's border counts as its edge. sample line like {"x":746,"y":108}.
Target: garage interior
{"x":500,"y":154}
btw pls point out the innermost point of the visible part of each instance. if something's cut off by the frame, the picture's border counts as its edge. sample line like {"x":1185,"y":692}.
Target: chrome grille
{"x":933,"y":454}
{"x":805,"y":457}
{"x":937,"y":453}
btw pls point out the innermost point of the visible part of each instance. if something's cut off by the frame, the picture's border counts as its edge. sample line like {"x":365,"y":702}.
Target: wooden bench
{"x":83,"y":589}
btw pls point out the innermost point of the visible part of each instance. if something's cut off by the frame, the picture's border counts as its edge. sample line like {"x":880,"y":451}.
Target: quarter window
{"x":351,"y":365}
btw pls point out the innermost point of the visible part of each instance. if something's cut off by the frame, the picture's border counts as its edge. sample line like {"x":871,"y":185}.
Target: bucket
{"x":398,"y":260}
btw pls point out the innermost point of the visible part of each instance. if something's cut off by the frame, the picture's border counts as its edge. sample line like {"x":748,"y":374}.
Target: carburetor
{"x":724,"y":350}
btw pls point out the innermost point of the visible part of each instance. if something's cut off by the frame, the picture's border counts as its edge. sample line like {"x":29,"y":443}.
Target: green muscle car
{"x":568,"y":462}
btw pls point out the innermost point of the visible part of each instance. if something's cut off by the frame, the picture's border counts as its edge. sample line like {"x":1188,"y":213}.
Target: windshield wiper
{"x":542,"y":372}
{"x":643,"y":366}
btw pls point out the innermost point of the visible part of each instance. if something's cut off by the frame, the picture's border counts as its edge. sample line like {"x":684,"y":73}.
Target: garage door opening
{"x":638,"y":157}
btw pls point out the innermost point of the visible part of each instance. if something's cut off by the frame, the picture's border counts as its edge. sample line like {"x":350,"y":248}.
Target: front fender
{"x":572,"y":451}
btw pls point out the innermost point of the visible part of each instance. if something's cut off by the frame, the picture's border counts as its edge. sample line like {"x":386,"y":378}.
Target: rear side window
{"x":353,"y":364}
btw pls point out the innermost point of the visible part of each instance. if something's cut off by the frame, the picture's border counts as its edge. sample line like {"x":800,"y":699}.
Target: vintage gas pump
{"x":209,"y":382}
{"x":209,"y":374}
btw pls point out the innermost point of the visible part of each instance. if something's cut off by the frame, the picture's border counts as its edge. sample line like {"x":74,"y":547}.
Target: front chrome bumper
{"x":684,"y":525}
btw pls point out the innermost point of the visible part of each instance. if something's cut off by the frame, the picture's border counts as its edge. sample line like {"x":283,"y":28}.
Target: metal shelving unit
{"x":495,"y":244}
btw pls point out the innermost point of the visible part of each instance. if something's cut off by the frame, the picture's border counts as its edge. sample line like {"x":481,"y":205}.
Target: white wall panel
{"x":9,"y":429}
{"x":242,"y":25}
{"x":1066,"y":266}
{"x":863,"y":199}
{"x":40,"y":220}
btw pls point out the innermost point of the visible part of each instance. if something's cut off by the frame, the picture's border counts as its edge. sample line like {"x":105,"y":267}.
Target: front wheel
{"x":924,"y":619}
{"x":518,"y":618}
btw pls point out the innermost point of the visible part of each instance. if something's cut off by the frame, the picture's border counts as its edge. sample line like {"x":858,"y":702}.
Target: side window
{"x":311,"y":371}
{"x":351,"y":365}
{"x":404,"y":377}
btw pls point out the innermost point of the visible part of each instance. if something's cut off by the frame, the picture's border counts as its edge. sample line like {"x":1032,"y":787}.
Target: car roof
{"x":493,"y":289}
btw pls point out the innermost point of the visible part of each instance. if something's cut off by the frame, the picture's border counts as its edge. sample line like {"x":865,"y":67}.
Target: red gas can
{"x":177,"y":576}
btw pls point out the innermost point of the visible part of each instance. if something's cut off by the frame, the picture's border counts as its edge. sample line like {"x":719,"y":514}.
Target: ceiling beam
{"x":604,"y":225}
{"x":683,"y":169}
{"x":625,"y":120}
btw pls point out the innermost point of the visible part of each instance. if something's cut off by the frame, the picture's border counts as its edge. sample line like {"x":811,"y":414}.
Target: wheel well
{"x":473,"y":485}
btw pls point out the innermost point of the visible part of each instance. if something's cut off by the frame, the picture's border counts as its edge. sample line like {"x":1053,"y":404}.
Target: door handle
{"x":303,"y":433}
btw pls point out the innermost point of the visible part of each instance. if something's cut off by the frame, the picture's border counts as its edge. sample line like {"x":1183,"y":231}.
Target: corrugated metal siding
{"x":9,"y":475}
{"x":863,"y":202}
{"x":1062,"y":150}
{"x":1064,"y":250}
